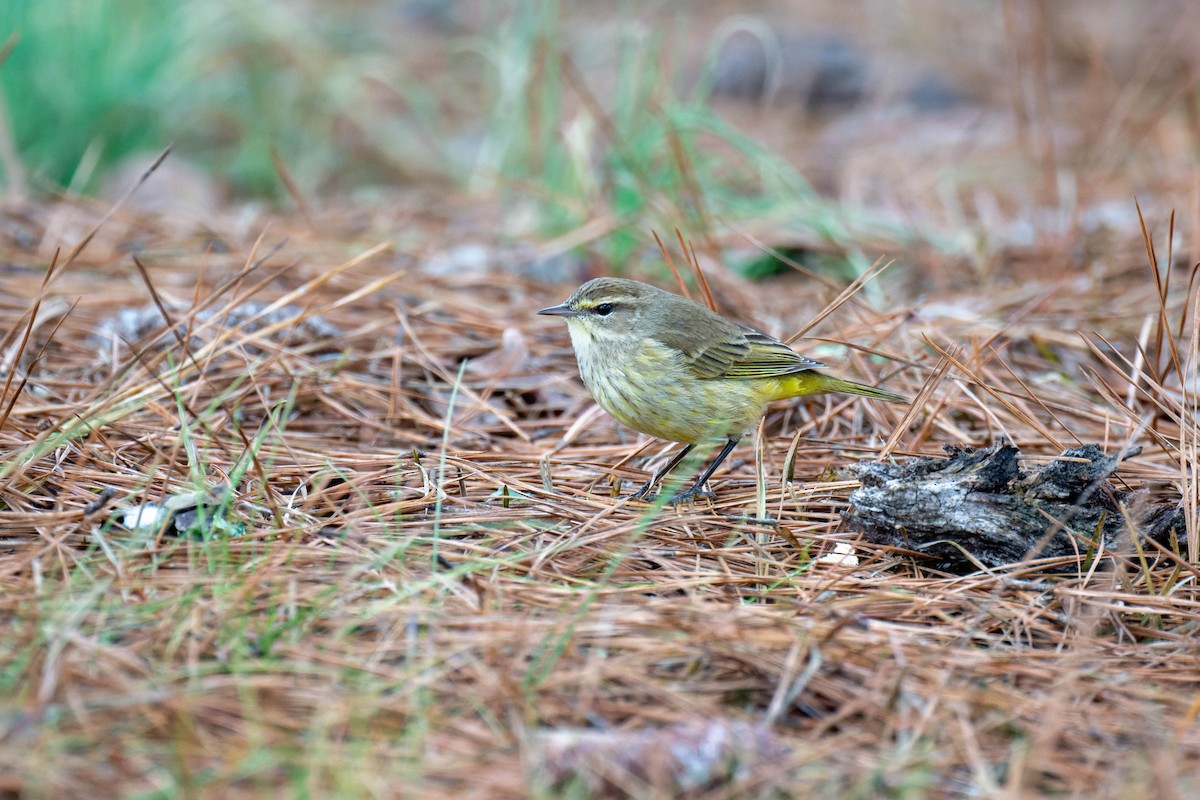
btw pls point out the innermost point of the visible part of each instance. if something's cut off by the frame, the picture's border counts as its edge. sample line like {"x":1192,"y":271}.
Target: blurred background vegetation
{"x":609,"y":127}
{"x":831,"y":129}
{"x":90,"y":82}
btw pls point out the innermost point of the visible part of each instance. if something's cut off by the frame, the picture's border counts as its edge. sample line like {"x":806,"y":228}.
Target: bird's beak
{"x":559,"y":311}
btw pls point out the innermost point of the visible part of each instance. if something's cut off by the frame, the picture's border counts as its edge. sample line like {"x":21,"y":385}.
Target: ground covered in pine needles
{"x":282,"y":508}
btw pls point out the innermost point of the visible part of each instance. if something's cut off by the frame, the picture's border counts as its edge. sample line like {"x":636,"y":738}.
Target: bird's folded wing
{"x":740,"y":353}
{"x":769,"y":358}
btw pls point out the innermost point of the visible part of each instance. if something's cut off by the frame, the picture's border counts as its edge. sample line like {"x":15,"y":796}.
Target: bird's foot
{"x":644,"y":493}
{"x":692,"y":493}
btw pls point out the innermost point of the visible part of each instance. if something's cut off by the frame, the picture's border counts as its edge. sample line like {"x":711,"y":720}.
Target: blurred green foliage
{"x":623,"y":143}
{"x":87,"y":75}
{"x":89,"y":82}
{"x":570,"y":124}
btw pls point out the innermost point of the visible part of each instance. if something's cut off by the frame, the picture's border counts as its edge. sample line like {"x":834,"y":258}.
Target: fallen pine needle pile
{"x":298,"y":514}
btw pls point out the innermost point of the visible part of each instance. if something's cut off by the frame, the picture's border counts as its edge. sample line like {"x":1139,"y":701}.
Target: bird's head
{"x":611,"y":308}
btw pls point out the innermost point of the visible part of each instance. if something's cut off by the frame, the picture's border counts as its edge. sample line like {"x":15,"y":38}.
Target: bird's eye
{"x":604,"y":309}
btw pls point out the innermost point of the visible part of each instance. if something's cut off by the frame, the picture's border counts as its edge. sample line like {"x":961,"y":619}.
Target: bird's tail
{"x":850,"y":387}
{"x":813,"y":382}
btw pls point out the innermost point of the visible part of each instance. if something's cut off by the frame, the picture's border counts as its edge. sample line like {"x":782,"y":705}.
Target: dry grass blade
{"x":874,"y":271}
{"x":1000,"y":395}
{"x":293,"y":189}
{"x":679,"y":281}
{"x":693,"y":262}
{"x":1162,"y":286}
{"x":15,"y":359}
{"x":91,"y":234}
{"x":935,"y":378}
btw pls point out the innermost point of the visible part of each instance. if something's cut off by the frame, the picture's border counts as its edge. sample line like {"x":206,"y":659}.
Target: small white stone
{"x":842,"y":556}
{"x":144,"y":517}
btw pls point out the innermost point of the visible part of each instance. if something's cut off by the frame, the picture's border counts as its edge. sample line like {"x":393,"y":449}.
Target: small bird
{"x":670,"y":367}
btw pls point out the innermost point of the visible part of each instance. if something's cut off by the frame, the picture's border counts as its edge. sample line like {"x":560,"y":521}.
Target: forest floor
{"x":311,"y":501}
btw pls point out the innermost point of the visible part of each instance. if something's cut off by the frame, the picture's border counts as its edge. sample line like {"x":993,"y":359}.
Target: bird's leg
{"x":697,"y":487}
{"x":662,"y":473}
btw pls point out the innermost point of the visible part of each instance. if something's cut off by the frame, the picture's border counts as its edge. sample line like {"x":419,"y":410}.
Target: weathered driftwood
{"x":979,"y":509}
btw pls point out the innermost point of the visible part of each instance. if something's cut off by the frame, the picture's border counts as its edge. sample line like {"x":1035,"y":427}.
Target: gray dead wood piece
{"x":978,"y":508}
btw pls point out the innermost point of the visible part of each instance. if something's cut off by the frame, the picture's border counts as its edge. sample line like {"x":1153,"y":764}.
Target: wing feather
{"x":725,"y":350}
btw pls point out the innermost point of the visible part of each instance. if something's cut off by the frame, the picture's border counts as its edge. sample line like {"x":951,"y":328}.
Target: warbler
{"x":672,"y":368}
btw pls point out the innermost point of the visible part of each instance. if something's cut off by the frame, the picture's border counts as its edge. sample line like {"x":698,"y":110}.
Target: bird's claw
{"x":693,"y":493}
{"x":644,"y":493}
